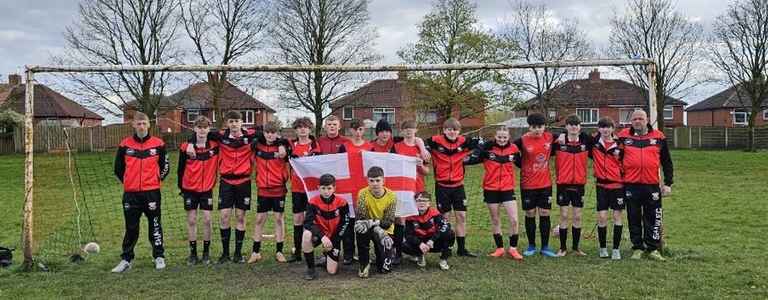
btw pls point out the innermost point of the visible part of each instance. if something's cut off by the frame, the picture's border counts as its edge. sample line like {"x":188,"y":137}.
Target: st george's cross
{"x":350,"y":171}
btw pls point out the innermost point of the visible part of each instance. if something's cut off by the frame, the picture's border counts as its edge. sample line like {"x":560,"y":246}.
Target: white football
{"x":92,"y":248}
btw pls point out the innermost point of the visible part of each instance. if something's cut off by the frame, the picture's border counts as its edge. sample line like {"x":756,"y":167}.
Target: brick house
{"x":595,"y":97}
{"x":178,"y":111}
{"x":51,"y":108}
{"x":390,"y":99}
{"x":725,"y":109}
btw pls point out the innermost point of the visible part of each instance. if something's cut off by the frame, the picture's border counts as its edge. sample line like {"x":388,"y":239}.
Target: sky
{"x":31,"y":30}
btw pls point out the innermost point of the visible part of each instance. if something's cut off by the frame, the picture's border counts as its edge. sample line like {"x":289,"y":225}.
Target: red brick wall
{"x":718,"y":118}
{"x":612,"y":112}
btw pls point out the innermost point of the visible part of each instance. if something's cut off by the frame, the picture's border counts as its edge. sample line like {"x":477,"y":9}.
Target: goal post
{"x":31,"y":70}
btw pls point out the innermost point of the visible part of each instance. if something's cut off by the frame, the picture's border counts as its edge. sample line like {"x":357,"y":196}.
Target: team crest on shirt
{"x":152,"y":151}
{"x":583,"y":147}
{"x":653,"y":141}
{"x":130,"y":151}
{"x":563,"y":148}
{"x":628,"y":142}
{"x":152,"y":205}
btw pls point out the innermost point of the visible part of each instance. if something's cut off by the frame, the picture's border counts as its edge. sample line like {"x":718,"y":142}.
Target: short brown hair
{"x":271,"y":126}
{"x":355,"y":124}
{"x":409,"y":124}
{"x":422,"y":195}
{"x":605,"y":122}
{"x":302,"y":122}
{"x":332,"y":118}
{"x":375,"y":171}
{"x":233,"y":115}
{"x":452,"y":123}
{"x":327,"y":179}
{"x":572,"y":120}
{"x":140,"y":116}
{"x":202,"y":121}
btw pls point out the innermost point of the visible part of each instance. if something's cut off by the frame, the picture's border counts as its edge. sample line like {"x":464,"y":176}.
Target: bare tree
{"x":320,"y":32}
{"x":450,"y":34}
{"x":123,"y":32}
{"x":654,"y":29}
{"x":223,"y":32}
{"x":740,"y":51}
{"x":540,"y":38}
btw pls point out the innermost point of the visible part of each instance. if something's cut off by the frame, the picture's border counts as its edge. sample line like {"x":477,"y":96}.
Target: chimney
{"x":14,"y":79}
{"x":402,"y":76}
{"x":594,"y":75}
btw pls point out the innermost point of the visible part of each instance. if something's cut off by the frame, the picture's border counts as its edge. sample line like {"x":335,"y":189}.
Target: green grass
{"x":715,"y":222}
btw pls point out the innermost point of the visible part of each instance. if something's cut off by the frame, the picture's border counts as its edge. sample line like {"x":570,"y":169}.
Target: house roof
{"x":378,"y":93}
{"x":727,"y":98}
{"x":198,"y":96}
{"x":48,"y":103}
{"x":597,"y":92}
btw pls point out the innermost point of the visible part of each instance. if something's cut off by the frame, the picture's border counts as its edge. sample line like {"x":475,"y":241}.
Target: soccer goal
{"x":91,"y":211}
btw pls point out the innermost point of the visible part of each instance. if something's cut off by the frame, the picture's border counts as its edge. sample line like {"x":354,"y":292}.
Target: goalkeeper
{"x":375,"y":223}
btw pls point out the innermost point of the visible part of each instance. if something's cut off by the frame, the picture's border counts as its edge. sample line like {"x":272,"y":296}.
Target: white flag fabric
{"x":350,"y":169}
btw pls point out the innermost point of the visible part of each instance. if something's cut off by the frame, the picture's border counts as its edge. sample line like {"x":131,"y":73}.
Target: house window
{"x":588,"y":115}
{"x":740,"y":117}
{"x":426,"y":117}
{"x":247,"y":117}
{"x":192,"y":115}
{"x":384,"y":113}
{"x":348,"y":113}
{"x":625,"y":115}
{"x":213,"y":115}
{"x":765,"y":114}
{"x":552,"y":114}
{"x":668,"y":113}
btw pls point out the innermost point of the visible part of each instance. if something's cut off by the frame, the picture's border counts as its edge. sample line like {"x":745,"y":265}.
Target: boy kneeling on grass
{"x":427,"y":232}
{"x":325,"y":224}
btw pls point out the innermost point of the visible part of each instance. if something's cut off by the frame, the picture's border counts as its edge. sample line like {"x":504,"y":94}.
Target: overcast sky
{"x":31,"y":30}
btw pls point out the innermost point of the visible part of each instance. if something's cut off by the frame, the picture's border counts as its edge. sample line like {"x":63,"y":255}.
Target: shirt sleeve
{"x":120,"y":163}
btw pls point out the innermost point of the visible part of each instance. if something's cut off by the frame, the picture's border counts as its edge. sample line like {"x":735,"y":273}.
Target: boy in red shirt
{"x":448,"y":151}
{"x":498,"y":157}
{"x":427,"y":232}
{"x":304,"y":145}
{"x":271,"y":176}
{"x":571,"y":153}
{"x":196,"y":177}
{"x":326,"y":222}
{"x":606,"y":163}
{"x":535,"y":182}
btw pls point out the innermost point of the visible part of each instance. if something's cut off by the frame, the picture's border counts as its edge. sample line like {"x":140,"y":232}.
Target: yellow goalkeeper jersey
{"x":382,"y":209}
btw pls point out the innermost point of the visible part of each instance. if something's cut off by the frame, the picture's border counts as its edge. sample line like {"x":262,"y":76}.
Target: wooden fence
{"x":53,"y":139}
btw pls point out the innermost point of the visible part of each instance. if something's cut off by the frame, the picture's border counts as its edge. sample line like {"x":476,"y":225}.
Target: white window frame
{"x":246,"y":114}
{"x":384,"y":110}
{"x":213,"y":115}
{"x":629,"y":121}
{"x":426,"y":117}
{"x":671,"y":109}
{"x":190,"y":113}
{"x":596,"y":112}
{"x":765,"y":114}
{"x":746,"y":117}
{"x":552,"y":114}
{"x":344,"y":113}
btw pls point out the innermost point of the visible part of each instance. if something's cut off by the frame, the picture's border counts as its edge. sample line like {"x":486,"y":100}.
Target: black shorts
{"x":495,"y":197}
{"x":541,"y":198}
{"x":610,"y":198}
{"x":265,"y":204}
{"x":450,"y":198}
{"x":195,"y":200}
{"x":572,"y":195}
{"x":235,"y":196}
{"x":299,"y":202}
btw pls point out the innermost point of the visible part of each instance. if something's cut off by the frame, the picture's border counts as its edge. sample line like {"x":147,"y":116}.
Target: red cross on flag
{"x":350,"y":170}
